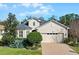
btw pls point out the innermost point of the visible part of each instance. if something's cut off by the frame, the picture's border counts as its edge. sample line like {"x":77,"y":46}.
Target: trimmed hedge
{"x":34,"y":37}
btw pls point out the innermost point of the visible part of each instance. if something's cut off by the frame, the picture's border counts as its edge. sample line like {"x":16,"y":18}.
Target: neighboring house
{"x":1,"y":31}
{"x":50,"y":31}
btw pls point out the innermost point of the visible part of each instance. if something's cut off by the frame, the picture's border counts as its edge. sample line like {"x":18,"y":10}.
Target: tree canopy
{"x":68,"y":18}
{"x":10,"y":28}
{"x":53,"y":17}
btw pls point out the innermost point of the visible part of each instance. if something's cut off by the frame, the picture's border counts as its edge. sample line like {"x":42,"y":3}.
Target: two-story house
{"x":50,"y":30}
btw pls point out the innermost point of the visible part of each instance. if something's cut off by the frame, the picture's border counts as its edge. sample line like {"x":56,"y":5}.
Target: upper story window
{"x":33,"y":23}
{"x":20,"y":33}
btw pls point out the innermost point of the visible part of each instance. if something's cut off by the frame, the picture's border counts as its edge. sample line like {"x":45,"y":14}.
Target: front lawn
{"x":18,"y":51}
{"x":76,"y":49}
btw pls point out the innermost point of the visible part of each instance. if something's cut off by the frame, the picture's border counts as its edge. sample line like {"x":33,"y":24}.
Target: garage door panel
{"x":47,"y":38}
{"x":58,"y":37}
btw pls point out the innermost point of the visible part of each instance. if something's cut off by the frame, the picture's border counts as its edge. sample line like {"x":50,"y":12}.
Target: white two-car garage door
{"x":54,"y":37}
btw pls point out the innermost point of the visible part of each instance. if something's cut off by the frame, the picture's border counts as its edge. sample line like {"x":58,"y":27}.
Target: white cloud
{"x":22,"y":14}
{"x":49,"y":8}
{"x":37,"y":5}
{"x":34,"y":5}
{"x":14,"y":6}
{"x":3,"y":6}
{"x":38,"y":9}
{"x":26,"y":4}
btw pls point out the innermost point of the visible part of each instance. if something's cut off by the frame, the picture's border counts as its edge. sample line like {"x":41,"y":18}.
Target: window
{"x":54,"y":33}
{"x":20,"y":33}
{"x":33,"y":23}
{"x":49,"y":33}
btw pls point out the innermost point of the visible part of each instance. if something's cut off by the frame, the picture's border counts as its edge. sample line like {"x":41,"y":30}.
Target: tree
{"x":74,"y":30}
{"x":41,"y":18}
{"x":24,"y":21}
{"x":34,"y":38}
{"x":2,"y":22}
{"x":10,"y":28}
{"x":52,"y":17}
{"x":68,"y":18}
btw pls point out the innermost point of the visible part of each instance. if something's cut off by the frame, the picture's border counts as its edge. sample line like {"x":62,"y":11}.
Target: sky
{"x":21,"y":10}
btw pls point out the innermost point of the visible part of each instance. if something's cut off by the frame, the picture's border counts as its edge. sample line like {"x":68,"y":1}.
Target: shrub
{"x":34,"y":38}
{"x":71,"y":41}
{"x":7,"y":39}
{"x":18,"y":43}
{"x":27,"y":44}
{"x":1,"y":43}
{"x":67,"y":40}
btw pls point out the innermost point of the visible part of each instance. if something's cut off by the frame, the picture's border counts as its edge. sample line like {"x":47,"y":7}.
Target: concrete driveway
{"x":49,"y":48}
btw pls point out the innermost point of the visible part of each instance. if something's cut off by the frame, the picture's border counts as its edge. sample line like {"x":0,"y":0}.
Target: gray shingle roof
{"x":23,"y":27}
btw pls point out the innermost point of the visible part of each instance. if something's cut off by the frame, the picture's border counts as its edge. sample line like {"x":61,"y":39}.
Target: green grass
{"x":76,"y":49}
{"x":18,"y":51}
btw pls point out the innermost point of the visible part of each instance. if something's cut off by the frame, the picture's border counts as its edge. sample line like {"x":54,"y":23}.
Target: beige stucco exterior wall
{"x":1,"y":32}
{"x":31,"y":23}
{"x":0,"y":37}
{"x":53,"y":28}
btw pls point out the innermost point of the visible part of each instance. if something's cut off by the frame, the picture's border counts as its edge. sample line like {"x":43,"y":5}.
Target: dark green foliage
{"x":21,"y":43}
{"x":1,"y":43}
{"x":52,"y":18}
{"x":10,"y":29}
{"x":68,"y":18}
{"x":34,"y":37}
{"x":2,"y":22}
{"x":7,"y":39}
{"x":68,"y":40}
{"x":41,"y":18}
{"x":71,"y":41}
{"x":18,"y":43}
{"x":26,"y":43}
